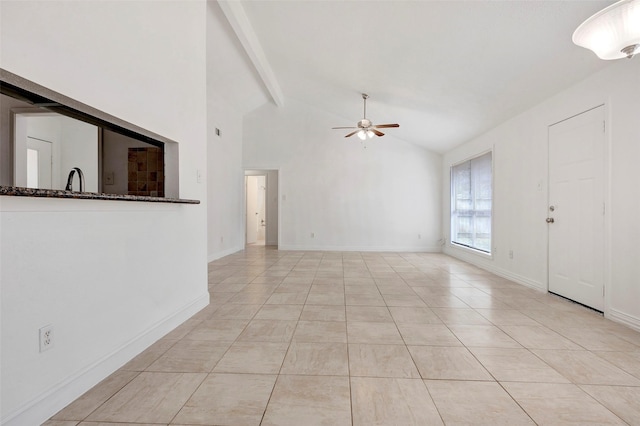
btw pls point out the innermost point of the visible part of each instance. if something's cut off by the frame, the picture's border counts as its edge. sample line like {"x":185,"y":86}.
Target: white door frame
{"x":262,"y":171}
{"x":606,"y":184}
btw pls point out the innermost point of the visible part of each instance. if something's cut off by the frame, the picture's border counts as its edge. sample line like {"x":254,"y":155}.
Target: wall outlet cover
{"x":46,"y":338}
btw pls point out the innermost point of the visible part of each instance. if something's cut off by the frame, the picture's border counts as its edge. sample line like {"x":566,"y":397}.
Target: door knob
{"x":550,"y":220}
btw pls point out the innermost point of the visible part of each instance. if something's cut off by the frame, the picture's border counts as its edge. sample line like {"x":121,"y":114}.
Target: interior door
{"x":252,"y":212}
{"x":261,"y":219}
{"x":39,"y":162}
{"x":576,"y":208}
{"x":266,"y":205}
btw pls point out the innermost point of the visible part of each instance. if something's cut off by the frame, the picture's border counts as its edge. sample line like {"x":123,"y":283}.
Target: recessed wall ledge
{"x":57,"y":193}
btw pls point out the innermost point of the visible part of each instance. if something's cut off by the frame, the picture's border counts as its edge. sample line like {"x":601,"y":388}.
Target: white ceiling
{"x":447,"y":71}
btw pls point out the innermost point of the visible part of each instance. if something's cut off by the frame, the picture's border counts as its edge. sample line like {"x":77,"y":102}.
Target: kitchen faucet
{"x":69,"y":186}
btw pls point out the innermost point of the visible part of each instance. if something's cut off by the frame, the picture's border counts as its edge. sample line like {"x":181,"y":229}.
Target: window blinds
{"x":471,"y":192}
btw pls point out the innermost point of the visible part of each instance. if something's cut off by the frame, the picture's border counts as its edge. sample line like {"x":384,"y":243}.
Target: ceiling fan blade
{"x":352,"y":127}
{"x":382,"y":126}
{"x":377,"y":132}
{"x":352,"y":133}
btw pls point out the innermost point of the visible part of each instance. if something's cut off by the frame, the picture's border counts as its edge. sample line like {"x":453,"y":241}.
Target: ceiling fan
{"x":365,"y":128}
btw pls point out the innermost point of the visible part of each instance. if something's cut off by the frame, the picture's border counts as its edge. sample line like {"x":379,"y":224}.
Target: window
{"x":471,"y":203}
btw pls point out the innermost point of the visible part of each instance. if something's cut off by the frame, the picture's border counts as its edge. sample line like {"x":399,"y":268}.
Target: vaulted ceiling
{"x":447,"y":71}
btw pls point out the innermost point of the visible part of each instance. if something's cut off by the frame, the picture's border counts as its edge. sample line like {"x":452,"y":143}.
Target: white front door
{"x":39,"y":162}
{"x":576,"y":208}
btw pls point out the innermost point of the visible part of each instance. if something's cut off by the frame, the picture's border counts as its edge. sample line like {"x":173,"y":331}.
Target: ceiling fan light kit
{"x":612,"y":33}
{"x":365,"y":129}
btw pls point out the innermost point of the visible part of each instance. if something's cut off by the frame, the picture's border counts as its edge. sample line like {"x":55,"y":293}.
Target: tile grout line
{"x":278,"y":375}
{"x":405,"y":271}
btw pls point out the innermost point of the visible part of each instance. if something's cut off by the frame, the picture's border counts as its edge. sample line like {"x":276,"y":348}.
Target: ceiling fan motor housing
{"x":364,"y":123}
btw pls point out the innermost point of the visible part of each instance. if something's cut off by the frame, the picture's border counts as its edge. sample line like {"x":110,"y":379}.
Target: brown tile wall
{"x":146,"y":172}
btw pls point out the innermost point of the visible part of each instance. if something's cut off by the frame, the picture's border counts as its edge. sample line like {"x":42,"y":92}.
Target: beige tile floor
{"x":333,"y":338}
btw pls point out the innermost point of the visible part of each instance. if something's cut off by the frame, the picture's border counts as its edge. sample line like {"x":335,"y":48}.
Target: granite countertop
{"x":58,"y":193}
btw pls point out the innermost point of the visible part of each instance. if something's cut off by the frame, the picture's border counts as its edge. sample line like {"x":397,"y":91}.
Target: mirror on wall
{"x":46,"y":144}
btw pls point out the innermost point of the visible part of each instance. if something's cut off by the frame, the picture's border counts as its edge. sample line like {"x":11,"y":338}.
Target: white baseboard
{"x":395,"y":249}
{"x":487,"y":265}
{"x":520,"y":279}
{"x":221,"y":254}
{"x":623,"y":318}
{"x":41,"y":408}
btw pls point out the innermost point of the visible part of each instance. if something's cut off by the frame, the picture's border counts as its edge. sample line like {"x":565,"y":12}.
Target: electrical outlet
{"x":109,"y":178}
{"x":46,"y":338}
{"x":510,"y":254}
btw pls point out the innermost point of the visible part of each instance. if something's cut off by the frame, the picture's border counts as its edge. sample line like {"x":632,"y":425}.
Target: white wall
{"x":349,"y":197}
{"x":79,"y":148}
{"x":111,"y":277}
{"x":520,"y":186}
{"x":225,"y":197}
{"x":225,"y":191}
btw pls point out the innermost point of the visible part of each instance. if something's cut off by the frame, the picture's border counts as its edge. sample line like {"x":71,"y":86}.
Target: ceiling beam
{"x":237,"y":17}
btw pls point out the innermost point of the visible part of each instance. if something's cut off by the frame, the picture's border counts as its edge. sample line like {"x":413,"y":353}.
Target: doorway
{"x":39,"y":163}
{"x":261,"y":207}
{"x":576,"y":208}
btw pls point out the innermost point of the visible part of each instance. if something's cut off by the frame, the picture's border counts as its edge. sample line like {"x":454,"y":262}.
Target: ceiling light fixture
{"x":612,"y":33}
{"x":365,"y":134}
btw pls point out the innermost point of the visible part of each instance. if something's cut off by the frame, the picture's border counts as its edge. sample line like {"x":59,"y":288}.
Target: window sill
{"x":472,"y":251}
